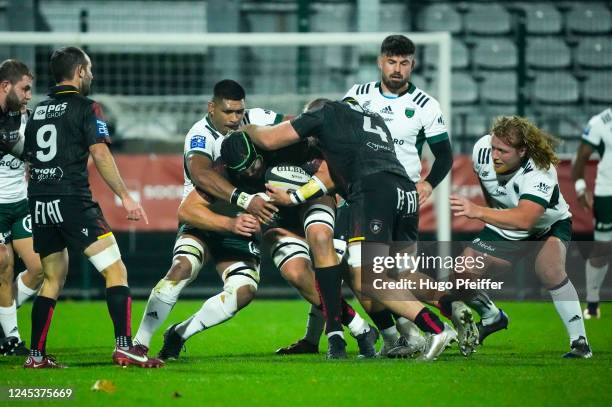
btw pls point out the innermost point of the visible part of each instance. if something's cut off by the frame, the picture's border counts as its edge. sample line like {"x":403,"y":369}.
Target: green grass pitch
{"x":234,"y":364}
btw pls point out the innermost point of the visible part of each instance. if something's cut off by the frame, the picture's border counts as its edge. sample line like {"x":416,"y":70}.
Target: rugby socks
{"x":154,"y":316}
{"x":427,"y":321}
{"x":594,"y":279}
{"x":315,"y":325}
{"x":355,"y":323}
{"x":8,"y":320}
{"x":42,"y":313}
{"x":483,"y":305}
{"x":385,"y":324}
{"x":212,"y":313}
{"x":445,"y":305}
{"x":328,"y":283}
{"x":119,"y":305}
{"x":24,"y":292}
{"x":566,"y":302}
{"x":407,"y":328}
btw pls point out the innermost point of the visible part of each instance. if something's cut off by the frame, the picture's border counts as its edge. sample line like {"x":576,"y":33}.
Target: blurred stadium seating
{"x":568,"y":56}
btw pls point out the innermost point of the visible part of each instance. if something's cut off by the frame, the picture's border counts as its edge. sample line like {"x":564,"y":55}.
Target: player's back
{"x":356,"y":143}
{"x":57,"y":140}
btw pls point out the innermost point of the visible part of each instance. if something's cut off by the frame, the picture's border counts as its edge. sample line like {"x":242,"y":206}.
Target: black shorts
{"x":65,"y":221}
{"x":223,"y":246}
{"x":384,"y":207}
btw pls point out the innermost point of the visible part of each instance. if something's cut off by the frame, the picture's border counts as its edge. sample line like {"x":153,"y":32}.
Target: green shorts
{"x":222,"y":245}
{"x":495,"y":245}
{"x":15,"y":221}
{"x":602,"y":213}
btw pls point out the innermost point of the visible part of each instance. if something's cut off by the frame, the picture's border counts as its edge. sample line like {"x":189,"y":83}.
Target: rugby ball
{"x":286,"y":177}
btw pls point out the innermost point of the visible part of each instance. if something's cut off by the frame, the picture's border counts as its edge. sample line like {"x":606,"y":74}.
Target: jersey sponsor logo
{"x":409,"y":112}
{"x":13,"y":164}
{"x":26,"y":223}
{"x":40,"y":113}
{"x":386,"y":110}
{"x":376,"y":226}
{"x":484,"y":174}
{"x":366,"y":105}
{"x":50,"y":111}
{"x":85,"y":231}
{"x":198,"y":142}
{"x":407,"y":201}
{"x":543,"y":188}
{"x":483,"y":245}
{"x":47,"y":213}
{"x":54,"y":174}
{"x":102,"y":129}
{"x":5,"y":237}
{"x":398,"y":142}
{"x":377,"y":147}
{"x":440,"y":120}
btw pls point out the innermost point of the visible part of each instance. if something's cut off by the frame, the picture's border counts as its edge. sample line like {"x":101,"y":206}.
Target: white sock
{"x":8,"y":320}
{"x":332,"y":333}
{"x":390,"y":335}
{"x":567,"y":304}
{"x":407,"y":327}
{"x":154,"y":316}
{"x":212,"y":313}
{"x":24,"y":292}
{"x":315,"y":325}
{"x":594,"y":279}
{"x":358,"y":325}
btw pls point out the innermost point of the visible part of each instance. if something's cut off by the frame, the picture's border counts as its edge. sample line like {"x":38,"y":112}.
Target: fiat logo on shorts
{"x":376,"y":226}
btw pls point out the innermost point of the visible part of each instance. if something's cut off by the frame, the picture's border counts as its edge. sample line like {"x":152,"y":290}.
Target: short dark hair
{"x":64,"y":61}
{"x":229,"y":90}
{"x":315,"y":104}
{"x":397,"y":45}
{"x":13,"y":70}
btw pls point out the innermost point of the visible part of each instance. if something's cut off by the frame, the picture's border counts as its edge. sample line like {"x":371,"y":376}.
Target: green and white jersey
{"x":13,"y":186}
{"x":204,"y":138}
{"x":528,"y":182}
{"x":598,"y":134}
{"x":412,"y":117}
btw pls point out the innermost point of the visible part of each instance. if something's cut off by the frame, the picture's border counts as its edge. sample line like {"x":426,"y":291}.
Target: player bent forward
{"x":516,"y":168}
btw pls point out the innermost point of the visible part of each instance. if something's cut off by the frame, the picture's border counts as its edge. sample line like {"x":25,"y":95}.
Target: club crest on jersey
{"x":376,"y":226}
{"x":40,"y":113}
{"x":409,"y":112}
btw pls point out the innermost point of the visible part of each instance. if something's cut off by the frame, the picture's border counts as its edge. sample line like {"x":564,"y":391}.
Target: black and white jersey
{"x":355,"y":143}
{"x":57,"y":140}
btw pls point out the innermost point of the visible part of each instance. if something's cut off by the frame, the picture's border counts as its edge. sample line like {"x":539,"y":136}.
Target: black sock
{"x":427,"y":321}
{"x":42,"y":313}
{"x":329,"y":282}
{"x":120,"y":309}
{"x":445,"y":304}
{"x":348,"y":313}
{"x":382,"y":319}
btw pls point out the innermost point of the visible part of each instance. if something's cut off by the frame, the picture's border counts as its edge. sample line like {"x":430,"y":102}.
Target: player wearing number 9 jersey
{"x":59,"y":137}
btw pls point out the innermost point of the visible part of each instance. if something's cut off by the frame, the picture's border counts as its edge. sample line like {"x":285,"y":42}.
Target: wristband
{"x":241,"y":198}
{"x":580,"y":186}
{"x":296,"y":197}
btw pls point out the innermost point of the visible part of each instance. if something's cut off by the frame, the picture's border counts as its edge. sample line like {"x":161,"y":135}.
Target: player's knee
{"x":599,"y":261}
{"x":181,"y":269}
{"x":296,"y":272}
{"x":240,"y":281}
{"x":320,"y":237}
{"x":551,"y":275}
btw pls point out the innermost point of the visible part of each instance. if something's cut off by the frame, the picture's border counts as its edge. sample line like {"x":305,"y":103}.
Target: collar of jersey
{"x":410,"y":89}
{"x":212,"y":126}
{"x":63,"y":90}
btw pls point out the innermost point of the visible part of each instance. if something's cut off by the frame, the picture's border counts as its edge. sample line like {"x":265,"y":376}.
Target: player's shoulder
{"x":603,"y":118}
{"x":364,"y":89}
{"x":260,"y":116}
{"x":203,"y":129}
{"x":422,"y":98}
{"x":483,"y":142}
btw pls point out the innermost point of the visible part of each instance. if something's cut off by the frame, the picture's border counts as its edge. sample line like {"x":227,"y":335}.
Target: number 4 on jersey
{"x":371,"y":128}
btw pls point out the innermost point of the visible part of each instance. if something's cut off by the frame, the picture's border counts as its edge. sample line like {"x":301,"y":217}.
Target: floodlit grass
{"x":234,"y":364}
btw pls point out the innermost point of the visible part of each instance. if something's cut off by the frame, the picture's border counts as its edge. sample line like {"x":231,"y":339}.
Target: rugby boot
{"x":467,"y":331}
{"x":46,"y":362}
{"x":580,"y":350}
{"x":301,"y":347}
{"x":336,"y":347}
{"x":436,"y":343}
{"x":367,"y":343}
{"x":486,"y":330}
{"x":173,"y":344}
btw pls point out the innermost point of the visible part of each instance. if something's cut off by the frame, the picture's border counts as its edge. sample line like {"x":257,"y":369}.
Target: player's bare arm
{"x":103,"y":159}
{"x":585,"y":197}
{"x":272,"y":137}
{"x":194,"y":211}
{"x":523,"y":217}
{"x":204,"y":177}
